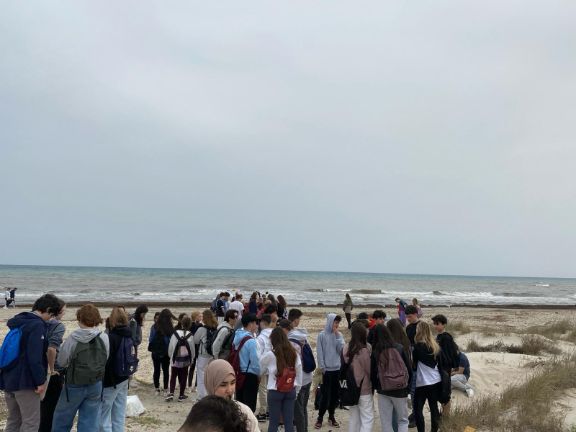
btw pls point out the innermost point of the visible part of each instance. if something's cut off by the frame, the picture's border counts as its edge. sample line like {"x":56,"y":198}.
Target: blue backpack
{"x":10,"y":350}
{"x":308,"y":362}
{"x":125,"y":362}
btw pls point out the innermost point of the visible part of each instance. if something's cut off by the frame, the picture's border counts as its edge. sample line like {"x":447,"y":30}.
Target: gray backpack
{"x":87,"y":363}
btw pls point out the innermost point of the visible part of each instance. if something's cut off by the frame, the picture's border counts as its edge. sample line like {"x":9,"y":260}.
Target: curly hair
{"x":217,"y":414}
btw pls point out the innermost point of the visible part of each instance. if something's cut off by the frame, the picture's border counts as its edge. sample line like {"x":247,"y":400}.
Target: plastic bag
{"x":134,"y":407}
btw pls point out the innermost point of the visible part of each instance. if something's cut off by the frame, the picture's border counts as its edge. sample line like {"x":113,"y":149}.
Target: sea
{"x":117,"y":284}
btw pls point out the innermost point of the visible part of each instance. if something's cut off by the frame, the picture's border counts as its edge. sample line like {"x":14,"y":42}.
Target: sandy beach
{"x":491,"y":372}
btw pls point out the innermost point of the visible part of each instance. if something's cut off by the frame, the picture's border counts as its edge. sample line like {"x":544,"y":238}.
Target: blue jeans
{"x":281,"y":404}
{"x":113,"y":413}
{"x":85,"y":400}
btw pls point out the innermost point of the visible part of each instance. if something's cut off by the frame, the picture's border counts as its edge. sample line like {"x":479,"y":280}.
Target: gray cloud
{"x":421,"y":138}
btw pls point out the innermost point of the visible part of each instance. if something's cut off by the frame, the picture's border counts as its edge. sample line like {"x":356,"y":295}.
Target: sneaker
{"x":470,"y":392}
{"x":157,"y":391}
{"x":182,"y":398}
{"x":261,"y":418}
{"x":169,"y":397}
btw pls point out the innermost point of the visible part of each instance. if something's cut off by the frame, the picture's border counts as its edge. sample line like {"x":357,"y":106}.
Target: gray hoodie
{"x":300,"y":335}
{"x":83,"y":335}
{"x":329,"y":346}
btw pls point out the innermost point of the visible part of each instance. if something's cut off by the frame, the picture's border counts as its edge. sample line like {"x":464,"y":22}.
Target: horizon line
{"x":286,"y":270}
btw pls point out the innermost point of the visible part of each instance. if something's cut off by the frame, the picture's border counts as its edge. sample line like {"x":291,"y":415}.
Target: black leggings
{"x":48,"y":405}
{"x":163,"y":362}
{"x":329,"y":390}
{"x":348,"y":318}
{"x":430,"y":392}
{"x":181,"y":374}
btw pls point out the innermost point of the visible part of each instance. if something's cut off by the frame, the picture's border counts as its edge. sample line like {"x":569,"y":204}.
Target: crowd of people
{"x":249,"y":362}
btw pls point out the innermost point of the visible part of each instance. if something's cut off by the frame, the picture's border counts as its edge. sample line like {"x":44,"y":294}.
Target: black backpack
{"x":182,"y":353}
{"x":226,"y":344}
{"x":125,"y":362}
{"x":210,"y":336}
{"x":349,"y":390}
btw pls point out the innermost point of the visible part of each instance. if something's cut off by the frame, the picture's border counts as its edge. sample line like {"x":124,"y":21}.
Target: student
{"x":220,"y":381}
{"x":253,"y":303}
{"x":461,"y":375}
{"x":357,"y":354}
{"x":55,"y":336}
{"x":225,"y":335}
{"x":215,"y":414}
{"x":328,"y":350}
{"x":264,"y":345}
{"x":23,"y":380}
{"x":399,"y":336}
{"x":84,"y":353}
{"x":115,"y":392}
{"x":418,"y":307}
{"x":428,"y":380}
{"x":196,"y":324}
{"x":203,"y":337}
{"x":347,"y":308}
{"x":160,"y":334}
{"x":136,"y":323}
{"x":391,"y":373}
{"x":283,"y":366}
{"x":282,"y":306}
{"x":249,"y":361}
{"x":401,"y":305}
{"x":378,"y":317}
{"x":181,"y":352}
{"x":222,"y":306}
{"x":449,"y":351}
{"x":413,"y":320}
{"x":237,"y":305}
{"x":298,"y":336}
{"x":10,"y":297}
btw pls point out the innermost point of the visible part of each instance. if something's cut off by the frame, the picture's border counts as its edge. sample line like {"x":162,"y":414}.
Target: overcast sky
{"x":406,"y":137}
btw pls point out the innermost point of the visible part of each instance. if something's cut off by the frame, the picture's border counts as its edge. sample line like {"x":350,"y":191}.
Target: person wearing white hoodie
{"x":263,"y":345}
{"x":298,"y":337}
{"x":86,"y":342}
{"x":328,"y":351}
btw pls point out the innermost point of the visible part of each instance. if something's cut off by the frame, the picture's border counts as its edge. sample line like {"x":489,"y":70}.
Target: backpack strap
{"x":242,"y":342}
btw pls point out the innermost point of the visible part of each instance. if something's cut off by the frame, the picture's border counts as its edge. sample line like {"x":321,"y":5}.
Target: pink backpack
{"x":392,"y":372}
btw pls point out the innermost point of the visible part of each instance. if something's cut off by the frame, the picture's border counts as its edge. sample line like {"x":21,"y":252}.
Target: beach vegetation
{"x":554,"y":329}
{"x":533,"y":406}
{"x":529,"y":345}
{"x":460,"y":327}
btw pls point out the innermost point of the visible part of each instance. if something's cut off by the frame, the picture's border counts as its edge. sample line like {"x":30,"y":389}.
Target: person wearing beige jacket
{"x":358,"y":352}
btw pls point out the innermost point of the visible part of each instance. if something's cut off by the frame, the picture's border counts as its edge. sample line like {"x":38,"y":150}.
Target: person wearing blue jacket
{"x":328,"y":351}
{"x":23,"y":381}
{"x":249,"y":361}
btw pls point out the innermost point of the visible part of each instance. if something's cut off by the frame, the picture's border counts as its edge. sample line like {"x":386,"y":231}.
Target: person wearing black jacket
{"x":115,"y":388}
{"x":389,"y":401}
{"x":449,"y":352}
{"x":426,"y":363}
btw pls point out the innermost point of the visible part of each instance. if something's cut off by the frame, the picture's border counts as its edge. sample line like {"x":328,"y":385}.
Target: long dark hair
{"x":399,"y":335}
{"x":142,"y":309}
{"x":358,"y":340}
{"x":382,"y":339}
{"x":164,"y":324}
{"x":283,"y":350}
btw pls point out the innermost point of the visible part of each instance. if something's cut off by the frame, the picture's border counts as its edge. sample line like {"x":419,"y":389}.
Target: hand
{"x":54,"y":373}
{"x":40,"y":389}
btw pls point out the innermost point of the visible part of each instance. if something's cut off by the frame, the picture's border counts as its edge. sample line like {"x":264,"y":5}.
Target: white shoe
{"x":470,"y":392}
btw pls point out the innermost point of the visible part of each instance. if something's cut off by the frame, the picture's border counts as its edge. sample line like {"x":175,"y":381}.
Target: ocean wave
{"x":520,"y":294}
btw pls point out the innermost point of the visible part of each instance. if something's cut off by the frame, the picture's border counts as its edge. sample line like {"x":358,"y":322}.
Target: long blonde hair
{"x":424,"y":335}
